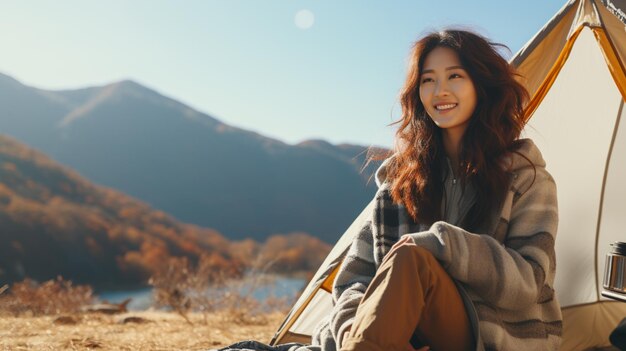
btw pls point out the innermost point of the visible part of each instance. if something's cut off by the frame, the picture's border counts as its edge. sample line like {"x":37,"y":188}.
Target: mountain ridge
{"x":55,"y":222}
{"x":189,"y":164}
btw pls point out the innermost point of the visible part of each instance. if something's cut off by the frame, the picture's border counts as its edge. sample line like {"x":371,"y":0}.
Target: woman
{"x":459,"y":252}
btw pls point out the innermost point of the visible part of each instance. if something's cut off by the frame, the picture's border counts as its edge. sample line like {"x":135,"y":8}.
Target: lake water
{"x":278,"y":287}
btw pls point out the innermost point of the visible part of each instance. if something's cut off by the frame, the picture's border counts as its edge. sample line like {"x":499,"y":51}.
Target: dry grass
{"x":159,"y":331}
{"x":48,"y":316}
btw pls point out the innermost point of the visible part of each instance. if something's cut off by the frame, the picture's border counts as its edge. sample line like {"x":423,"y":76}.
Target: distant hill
{"x":52,"y":221}
{"x":189,"y":164}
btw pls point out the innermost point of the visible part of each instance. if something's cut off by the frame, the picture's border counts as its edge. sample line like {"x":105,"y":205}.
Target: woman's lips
{"x":442,"y":108}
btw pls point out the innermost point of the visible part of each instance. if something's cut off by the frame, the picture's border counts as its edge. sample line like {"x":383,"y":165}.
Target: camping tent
{"x":574,"y":69}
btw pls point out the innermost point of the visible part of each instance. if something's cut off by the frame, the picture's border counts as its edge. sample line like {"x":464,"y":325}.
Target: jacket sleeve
{"x":518,"y":272}
{"x":353,"y":278}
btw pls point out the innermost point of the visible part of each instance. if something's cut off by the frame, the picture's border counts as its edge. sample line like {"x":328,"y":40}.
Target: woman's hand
{"x":345,"y":336}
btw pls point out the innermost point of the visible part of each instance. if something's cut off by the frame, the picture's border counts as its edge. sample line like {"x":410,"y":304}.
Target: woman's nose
{"x":441,"y":88}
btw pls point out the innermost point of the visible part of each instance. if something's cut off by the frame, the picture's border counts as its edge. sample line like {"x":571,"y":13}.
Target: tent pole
{"x":600,"y":207}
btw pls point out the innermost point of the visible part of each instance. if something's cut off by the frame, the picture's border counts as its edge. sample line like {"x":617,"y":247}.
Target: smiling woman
{"x":448,"y":95}
{"x":462,"y":234}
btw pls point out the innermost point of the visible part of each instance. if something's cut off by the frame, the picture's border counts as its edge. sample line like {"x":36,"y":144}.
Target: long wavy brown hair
{"x":417,"y":171}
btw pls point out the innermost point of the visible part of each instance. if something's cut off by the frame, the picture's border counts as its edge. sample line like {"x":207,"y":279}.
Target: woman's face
{"x":447,"y":91}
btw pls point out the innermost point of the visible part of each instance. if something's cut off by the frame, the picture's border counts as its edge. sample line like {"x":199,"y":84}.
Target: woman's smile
{"x":443,"y":108}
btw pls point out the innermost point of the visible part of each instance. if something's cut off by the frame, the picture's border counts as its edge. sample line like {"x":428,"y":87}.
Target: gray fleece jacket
{"x":507,"y":271}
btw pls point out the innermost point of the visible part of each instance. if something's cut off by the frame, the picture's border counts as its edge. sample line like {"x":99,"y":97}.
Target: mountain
{"x":189,"y":164}
{"x":52,"y":221}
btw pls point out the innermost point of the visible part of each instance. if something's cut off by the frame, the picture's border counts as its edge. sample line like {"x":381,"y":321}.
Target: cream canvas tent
{"x":574,"y":69}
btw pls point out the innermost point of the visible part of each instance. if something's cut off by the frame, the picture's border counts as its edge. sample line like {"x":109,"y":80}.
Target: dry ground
{"x":159,"y":331}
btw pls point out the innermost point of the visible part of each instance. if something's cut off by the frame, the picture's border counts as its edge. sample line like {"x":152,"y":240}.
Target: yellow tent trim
{"x":328,"y":282}
{"x":613,"y":62}
{"x":326,"y":285}
{"x":545,"y":86}
{"x":293,"y":317}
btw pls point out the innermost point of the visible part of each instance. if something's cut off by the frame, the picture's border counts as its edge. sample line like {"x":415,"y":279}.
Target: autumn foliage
{"x":52,"y":221}
{"x":294,"y":252}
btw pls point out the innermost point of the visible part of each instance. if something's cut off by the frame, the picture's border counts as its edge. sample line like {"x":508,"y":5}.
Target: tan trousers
{"x":411,"y":292}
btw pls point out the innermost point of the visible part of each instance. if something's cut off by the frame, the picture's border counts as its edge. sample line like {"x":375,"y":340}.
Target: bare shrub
{"x":211,"y":286}
{"x":171,"y":284}
{"x":182,"y":286}
{"x":52,"y":297}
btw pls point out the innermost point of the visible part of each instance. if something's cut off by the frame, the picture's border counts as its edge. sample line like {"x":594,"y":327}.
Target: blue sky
{"x":246,"y":62}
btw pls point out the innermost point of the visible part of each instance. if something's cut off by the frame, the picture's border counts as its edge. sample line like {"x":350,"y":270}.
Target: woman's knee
{"x":405,"y":250}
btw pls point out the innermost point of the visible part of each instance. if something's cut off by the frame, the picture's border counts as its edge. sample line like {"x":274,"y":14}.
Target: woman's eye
{"x":426,"y":80}
{"x":455,"y":75}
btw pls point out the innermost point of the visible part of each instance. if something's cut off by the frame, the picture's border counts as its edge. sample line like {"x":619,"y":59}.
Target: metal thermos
{"x":615,"y":268}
